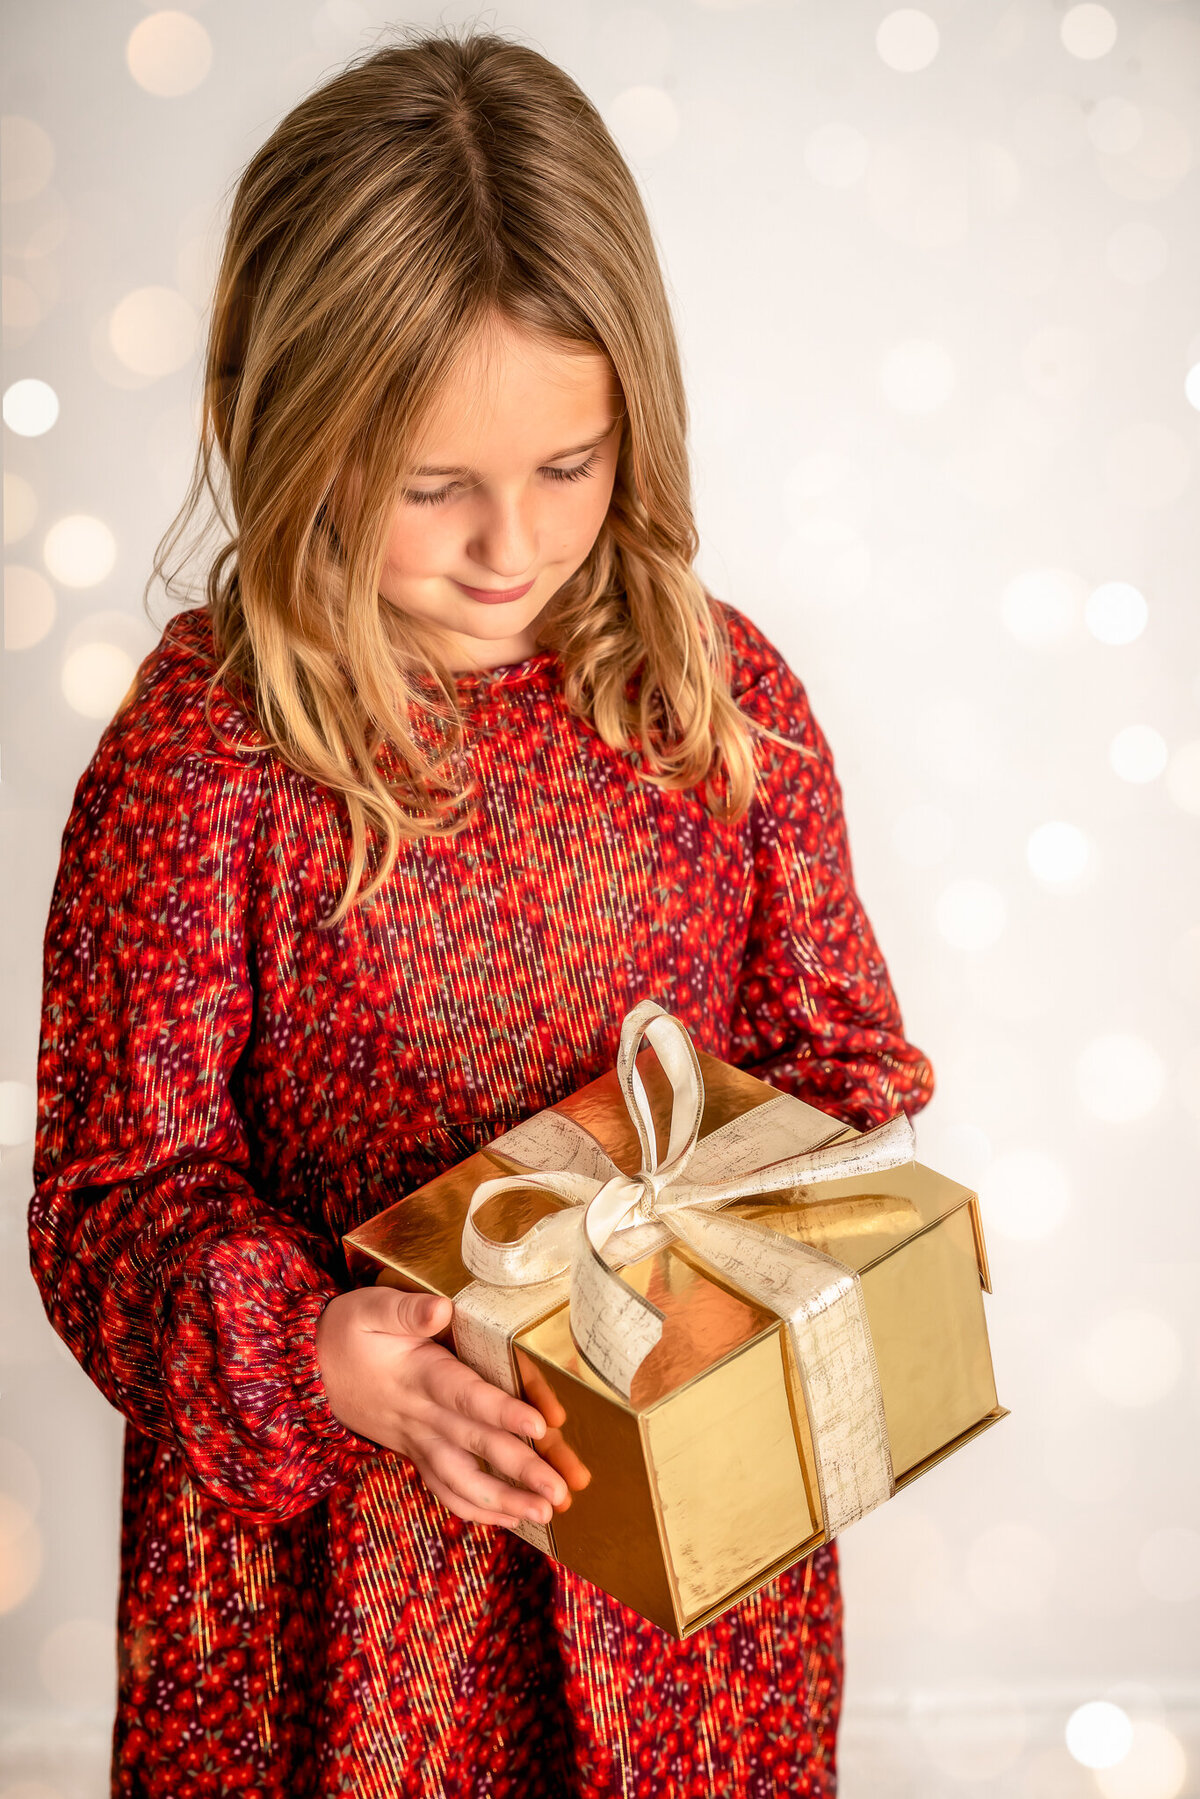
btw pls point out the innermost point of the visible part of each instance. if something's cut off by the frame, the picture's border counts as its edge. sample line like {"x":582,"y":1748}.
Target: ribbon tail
{"x":821,"y":1302}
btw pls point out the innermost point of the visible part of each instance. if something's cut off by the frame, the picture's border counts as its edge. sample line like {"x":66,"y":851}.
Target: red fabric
{"x":225,"y":1088}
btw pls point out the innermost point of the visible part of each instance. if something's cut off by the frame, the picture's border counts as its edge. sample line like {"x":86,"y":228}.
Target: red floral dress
{"x":225,"y":1088}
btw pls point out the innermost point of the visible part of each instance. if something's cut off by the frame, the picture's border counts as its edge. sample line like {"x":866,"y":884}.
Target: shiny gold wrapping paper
{"x":703,"y":1483}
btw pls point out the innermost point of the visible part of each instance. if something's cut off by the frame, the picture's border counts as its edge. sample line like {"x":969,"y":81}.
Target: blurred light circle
{"x":973,"y":1733}
{"x":1138,"y":754}
{"x":78,"y":1664}
{"x":923,"y":835}
{"x":1163,"y":155}
{"x":1154,"y":1768}
{"x":20,"y":507}
{"x":29,"y":607}
{"x":1041,"y":606}
{"x":1191,"y":386}
{"x":836,"y":155}
{"x":645,"y":119}
{"x":1098,"y":1734}
{"x":1120,"y":1077}
{"x":26,"y":158}
{"x":20,"y":1553}
{"x":1183,"y":777}
{"x":1169,"y":1564}
{"x":30,"y":407}
{"x":1114,"y":125}
{"x":1133,"y":1358}
{"x":1146,"y":464}
{"x":169,"y":53}
{"x":153,"y":331}
{"x":814,"y":477}
{"x":18,"y":1113}
{"x":1136,"y":253}
{"x":79,"y":550}
{"x":1050,"y":129}
{"x":917,"y":375}
{"x":95,"y":679}
{"x":1116,"y":612}
{"x":1088,"y":31}
{"x":1025,"y":1195}
{"x":971,"y":915}
{"x":1058,"y":853}
{"x":907,"y":40}
{"x":1010,"y":1568}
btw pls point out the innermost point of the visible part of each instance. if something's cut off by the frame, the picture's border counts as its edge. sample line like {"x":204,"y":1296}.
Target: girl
{"x":457,"y":761}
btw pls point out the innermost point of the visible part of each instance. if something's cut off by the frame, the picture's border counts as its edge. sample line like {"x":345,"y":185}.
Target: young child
{"x":457,"y":761}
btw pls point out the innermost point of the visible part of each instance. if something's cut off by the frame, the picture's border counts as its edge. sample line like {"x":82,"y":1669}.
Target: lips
{"x":495,"y":596}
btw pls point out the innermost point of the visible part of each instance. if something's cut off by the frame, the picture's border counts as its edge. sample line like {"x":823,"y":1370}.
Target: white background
{"x":937,"y":324}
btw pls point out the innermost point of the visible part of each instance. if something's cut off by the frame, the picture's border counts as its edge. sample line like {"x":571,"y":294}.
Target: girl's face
{"x":509,"y":487}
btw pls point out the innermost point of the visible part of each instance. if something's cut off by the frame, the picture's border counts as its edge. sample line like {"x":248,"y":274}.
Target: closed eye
{"x":578,"y":473}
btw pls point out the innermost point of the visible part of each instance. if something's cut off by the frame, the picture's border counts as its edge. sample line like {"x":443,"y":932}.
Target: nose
{"x":505,"y":538}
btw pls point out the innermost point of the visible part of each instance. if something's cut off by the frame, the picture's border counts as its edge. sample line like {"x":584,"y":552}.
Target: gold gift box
{"x":703,"y":1483}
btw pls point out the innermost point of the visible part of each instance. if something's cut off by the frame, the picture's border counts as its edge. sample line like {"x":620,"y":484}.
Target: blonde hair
{"x":431,"y":188}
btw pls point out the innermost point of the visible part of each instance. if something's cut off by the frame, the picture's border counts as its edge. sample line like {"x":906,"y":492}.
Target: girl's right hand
{"x":388,"y":1381}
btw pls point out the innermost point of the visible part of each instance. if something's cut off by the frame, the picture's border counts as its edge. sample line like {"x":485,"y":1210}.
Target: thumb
{"x":422,"y":1314}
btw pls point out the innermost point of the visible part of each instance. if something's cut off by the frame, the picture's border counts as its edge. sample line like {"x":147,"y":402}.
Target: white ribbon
{"x":611,"y":1219}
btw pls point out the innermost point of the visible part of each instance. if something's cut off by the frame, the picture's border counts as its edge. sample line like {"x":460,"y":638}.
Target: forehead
{"x":512,"y":391}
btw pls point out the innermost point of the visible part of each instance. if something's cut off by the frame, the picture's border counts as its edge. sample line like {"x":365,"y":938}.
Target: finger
{"x":540,"y":1393}
{"x":420,"y":1314}
{"x":560,"y":1455}
{"x":474,"y":1514}
{"x":451,"y":1384}
{"x":508,"y":1456}
{"x":465,"y":1478}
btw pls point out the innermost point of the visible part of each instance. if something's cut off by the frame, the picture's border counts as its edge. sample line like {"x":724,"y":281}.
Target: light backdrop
{"x":936,"y":275}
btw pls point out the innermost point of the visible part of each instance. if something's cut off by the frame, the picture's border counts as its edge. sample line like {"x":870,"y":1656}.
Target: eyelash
{"x":555,"y":474}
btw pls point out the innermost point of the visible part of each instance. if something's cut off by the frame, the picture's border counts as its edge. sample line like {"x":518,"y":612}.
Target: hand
{"x":388,"y":1381}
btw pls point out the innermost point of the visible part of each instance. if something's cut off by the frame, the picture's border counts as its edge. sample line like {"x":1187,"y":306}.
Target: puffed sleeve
{"x":190,"y":1300}
{"x":815,"y":1013}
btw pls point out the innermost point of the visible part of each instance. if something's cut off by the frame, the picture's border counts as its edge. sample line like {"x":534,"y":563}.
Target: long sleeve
{"x":189,"y":1300}
{"x":815,"y":1013}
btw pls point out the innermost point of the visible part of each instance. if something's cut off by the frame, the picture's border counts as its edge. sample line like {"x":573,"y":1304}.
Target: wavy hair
{"x":432,"y":187}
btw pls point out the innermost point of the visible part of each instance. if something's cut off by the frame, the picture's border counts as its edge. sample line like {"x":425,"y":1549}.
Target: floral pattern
{"x":226,"y":1086}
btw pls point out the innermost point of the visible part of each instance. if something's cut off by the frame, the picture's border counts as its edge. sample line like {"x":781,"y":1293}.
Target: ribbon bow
{"x":612,"y":1218}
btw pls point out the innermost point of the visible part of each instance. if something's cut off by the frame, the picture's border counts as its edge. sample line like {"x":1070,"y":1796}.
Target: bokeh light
{"x":1183,"y":778}
{"x":1120,"y":1077}
{"x":26,"y":159}
{"x":1010,"y":1569}
{"x":169,"y":53}
{"x":1041,"y":607}
{"x":95,"y":678}
{"x":1114,"y":125}
{"x":1146,"y":465}
{"x":20,"y":507}
{"x":918,"y":375}
{"x":907,"y":40}
{"x":1088,"y":31}
{"x":30,"y":407}
{"x":1025,"y":1195}
{"x":1116,"y":612}
{"x":20,"y":1552}
{"x":1168,"y":1564}
{"x":1058,"y":854}
{"x":1099,"y":1734}
{"x":836,"y":155}
{"x":1157,"y":163}
{"x":153,"y":331}
{"x":1138,"y":753}
{"x":1154,"y":1768}
{"x":29,"y":607}
{"x":971,"y":915}
{"x":1132,"y":1358}
{"x":79,"y":550}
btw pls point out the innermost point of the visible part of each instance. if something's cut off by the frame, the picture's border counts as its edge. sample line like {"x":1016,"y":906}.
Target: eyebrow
{"x":575,"y":450}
